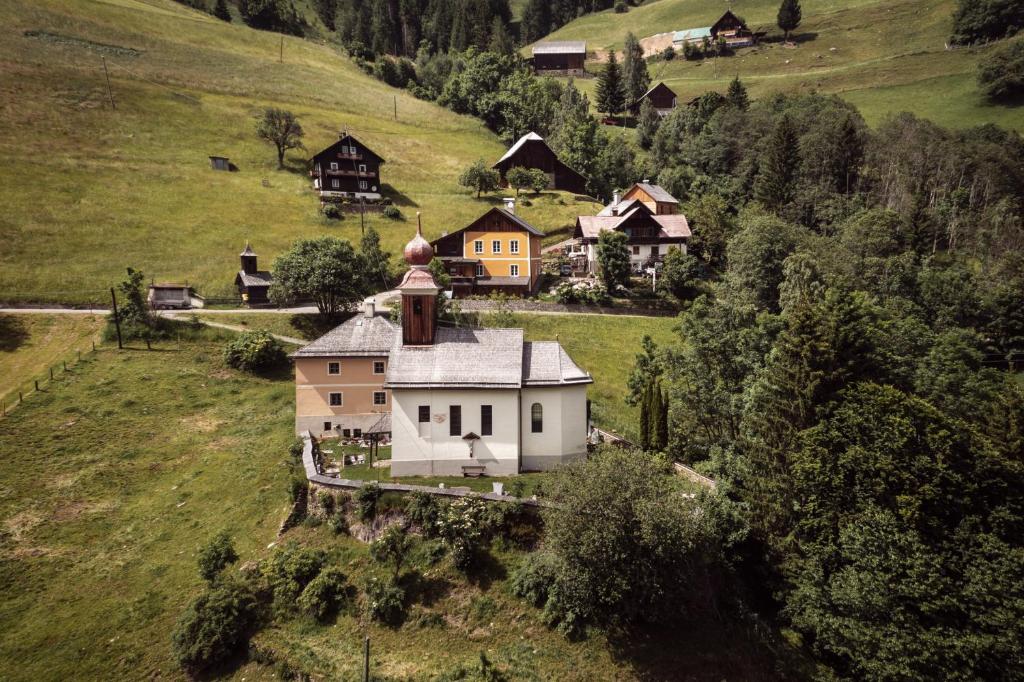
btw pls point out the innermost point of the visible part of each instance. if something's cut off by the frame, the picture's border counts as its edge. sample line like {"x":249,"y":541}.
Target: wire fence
{"x":48,"y":378}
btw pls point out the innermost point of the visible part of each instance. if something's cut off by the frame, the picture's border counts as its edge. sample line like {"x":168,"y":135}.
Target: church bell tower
{"x":419,"y":293}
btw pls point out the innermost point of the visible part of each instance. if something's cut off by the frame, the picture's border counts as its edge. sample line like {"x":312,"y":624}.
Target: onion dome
{"x":418,"y":251}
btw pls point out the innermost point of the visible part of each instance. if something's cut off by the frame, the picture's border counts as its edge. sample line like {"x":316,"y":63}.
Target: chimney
{"x":369,"y":307}
{"x":616,"y":198}
{"x":510,"y":204}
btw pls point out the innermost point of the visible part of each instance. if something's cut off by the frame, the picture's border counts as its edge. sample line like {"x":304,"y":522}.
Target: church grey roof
{"x":261,"y":278}
{"x":358,"y":336}
{"x":545,"y":363}
{"x":459,"y":358}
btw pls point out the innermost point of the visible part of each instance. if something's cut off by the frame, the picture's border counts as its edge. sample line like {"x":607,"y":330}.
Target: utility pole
{"x":106,"y":74}
{"x":117,"y":319}
{"x":362,"y":216}
{"x":366,"y":659}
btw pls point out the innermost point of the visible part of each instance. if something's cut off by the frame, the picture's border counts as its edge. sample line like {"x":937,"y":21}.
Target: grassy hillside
{"x":884,"y":56}
{"x":89,"y":190}
{"x":31,"y":344}
{"x":115,"y":477}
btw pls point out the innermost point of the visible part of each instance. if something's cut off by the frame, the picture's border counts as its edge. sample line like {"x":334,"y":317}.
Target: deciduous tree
{"x":326,"y":270}
{"x":613,"y":260}
{"x":282,"y":129}
{"x":480,"y":178}
{"x":636,"y":79}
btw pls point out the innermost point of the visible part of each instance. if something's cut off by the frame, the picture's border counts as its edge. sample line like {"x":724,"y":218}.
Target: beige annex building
{"x":455,"y":400}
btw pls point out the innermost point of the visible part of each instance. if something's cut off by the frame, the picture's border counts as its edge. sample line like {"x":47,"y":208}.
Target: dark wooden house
{"x":531,"y":151}
{"x":661,"y":96}
{"x":560,"y":57}
{"x":347,"y":169}
{"x":733,"y":30}
{"x":253,"y":284}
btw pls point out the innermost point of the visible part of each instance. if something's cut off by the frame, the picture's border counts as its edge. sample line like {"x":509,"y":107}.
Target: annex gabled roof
{"x":459,"y":358}
{"x":656,"y":192}
{"x":545,"y":363}
{"x":528,"y":137}
{"x":671,"y":226}
{"x":728,"y":15}
{"x":561,"y":47}
{"x":659,"y":86}
{"x":622,"y":208}
{"x":357,"y":336}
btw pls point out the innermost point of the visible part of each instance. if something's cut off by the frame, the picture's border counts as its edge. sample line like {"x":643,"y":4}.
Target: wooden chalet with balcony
{"x":531,"y":151}
{"x":733,"y":30}
{"x":497,"y":252}
{"x":647,"y":215}
{"x":347,"y":169}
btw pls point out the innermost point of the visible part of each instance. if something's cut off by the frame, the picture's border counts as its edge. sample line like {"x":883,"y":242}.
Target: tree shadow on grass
{"x":485,"y":571}
{"x":397,"y":197}
{"x":13,"y":333}
{"x":705,"y":648}
{"x":420,"y":589}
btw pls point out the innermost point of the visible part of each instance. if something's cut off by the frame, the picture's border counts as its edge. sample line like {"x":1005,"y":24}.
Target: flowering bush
{"x":461,"y":529}
{"x":587,"y":291}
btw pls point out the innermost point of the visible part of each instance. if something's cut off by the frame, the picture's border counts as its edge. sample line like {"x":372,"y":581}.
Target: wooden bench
{"x":473,"y":470}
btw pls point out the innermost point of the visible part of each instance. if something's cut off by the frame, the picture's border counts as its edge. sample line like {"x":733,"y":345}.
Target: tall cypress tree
{"x":634,"y":71}
{"x":659,"y":418}
{"x":737,"y":94}
{"x":645,"y":417}
{"x":611,"y":94}
{"x":778,"y":166}
{"x":790,"y":15}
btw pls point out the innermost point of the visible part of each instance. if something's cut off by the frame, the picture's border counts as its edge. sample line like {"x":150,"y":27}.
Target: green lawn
{"x":133,"y":187}
{"x":32,"y":344}
{"x":114,"y":478}
{"x":884,"y":56}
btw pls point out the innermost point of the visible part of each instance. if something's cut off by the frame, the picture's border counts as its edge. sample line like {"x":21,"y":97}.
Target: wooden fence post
{"x":37,"y":385}
{"x":51,"y":374}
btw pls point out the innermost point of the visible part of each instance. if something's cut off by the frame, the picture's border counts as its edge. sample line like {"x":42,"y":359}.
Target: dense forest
{"x":847,"y":375}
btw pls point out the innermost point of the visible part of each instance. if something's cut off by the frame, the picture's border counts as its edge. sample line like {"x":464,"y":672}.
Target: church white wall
{"x":428,"y":450}
{"x":564,"y":431}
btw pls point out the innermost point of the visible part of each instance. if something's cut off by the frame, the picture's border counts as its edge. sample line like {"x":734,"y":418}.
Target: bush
{"x":588,"y":291}
{"x":533,"y":578}
{"x":539,"y":180}
{"x":979,"y":21}
{"x":423,"y":510}
{"x":1001,"y":75}
{"x":385,"y":601}
{"x":254,"y":351}
{"x":332,"y":212}
{"x":217,"y":554}
{"x":338,"y":523}
{"x":290,"y":570}
{"x":215,"y":626}
{"x":461,"y":529}
{"x":668,"y":54}
{"x":621,"y":7}
{"x":366,"y":501}
{"x":324,"y":594}
{"x":392,"y":547}
{"x":392,"y":213}
{"x":295,"y":449}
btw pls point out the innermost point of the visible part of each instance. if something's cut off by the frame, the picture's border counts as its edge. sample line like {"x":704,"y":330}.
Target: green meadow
{"x":33,"y":344}
{"x":90,"y":190}
{"x":885,"y":57}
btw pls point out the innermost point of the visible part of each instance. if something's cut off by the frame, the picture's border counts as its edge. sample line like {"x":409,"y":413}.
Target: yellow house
{"x":499,"y":251}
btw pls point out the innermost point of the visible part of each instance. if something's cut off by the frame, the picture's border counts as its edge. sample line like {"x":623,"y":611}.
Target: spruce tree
{"x":220,"y":10}
{"x":737,"y":94}
{"x":634,"y":71}
{"x":611,"y":94}
{"x":647,"y":124}
{"x":789,"y":16}
{"x":778,"y":166}
{"x":536,"y":21}
{"x":501,"y":39}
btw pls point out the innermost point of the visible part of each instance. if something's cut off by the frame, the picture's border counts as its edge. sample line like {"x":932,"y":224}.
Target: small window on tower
{"x":417,"y":306}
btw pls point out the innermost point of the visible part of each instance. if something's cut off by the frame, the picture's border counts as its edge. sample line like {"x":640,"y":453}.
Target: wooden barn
{"x":560,"y":56}
{"x":531,"y":151}
{"x":347,"y":169}
{"x":661,"y":96}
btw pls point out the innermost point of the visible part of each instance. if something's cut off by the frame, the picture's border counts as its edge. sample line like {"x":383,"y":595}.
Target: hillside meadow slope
{"x":883,"y":56}
{"x":89,"y":190}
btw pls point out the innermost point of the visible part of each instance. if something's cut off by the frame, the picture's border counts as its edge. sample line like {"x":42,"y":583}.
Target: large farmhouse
{"x":647,"y":215}
{"x":499,"y":251}
{"x":560,"y":57}
{"x":729,"y":28}
{"x":531,"y":151}
{"x":347,"y":169}
{"x":457,"y":400}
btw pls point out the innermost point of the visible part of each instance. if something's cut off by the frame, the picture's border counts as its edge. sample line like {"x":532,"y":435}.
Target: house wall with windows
{"x":562,"y":434}
{"x":346,"y":393}
{"x":504,"y":254}
{"x":426,"y":442}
